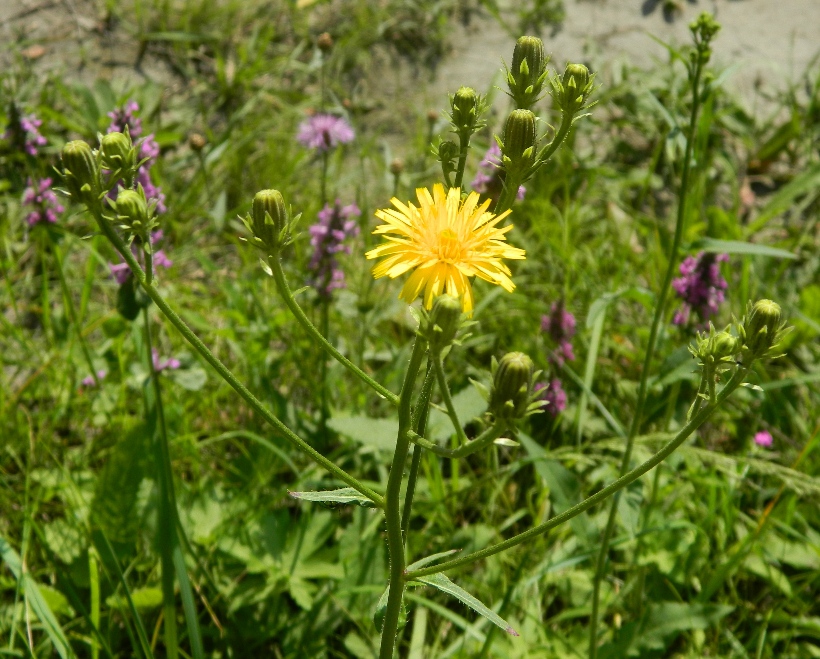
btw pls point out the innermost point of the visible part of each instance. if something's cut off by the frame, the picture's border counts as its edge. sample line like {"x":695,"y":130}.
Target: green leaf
{"x":469,"y":404}
{"x":36,"y":600}
{"x":145,"y":599}
{"x":444,"y":584}
{"x":335,"y":497}
{"x":381,"y":609}
{"x":432,"y":558}
{"x":192,"y":379}
{"x":806,"y":183}
{"x":374,"y":434}
{"x":739,"y":247}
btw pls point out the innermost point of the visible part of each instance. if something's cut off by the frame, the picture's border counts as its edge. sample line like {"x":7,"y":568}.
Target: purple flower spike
{"x":764,"y":439}
{"x":327,"y":238}
{"x":560,"y":326}
{"x":487,"y":179}
{"x":43,"y":202}
{"x":324,"y":132}
{"x":701,"y":287}
{"x":555,"y":396}
{"x":124,"y":116}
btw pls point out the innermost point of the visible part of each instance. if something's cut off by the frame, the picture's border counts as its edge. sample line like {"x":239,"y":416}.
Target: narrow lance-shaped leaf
{"x":444,"y":584}
{"x":334,"y":497}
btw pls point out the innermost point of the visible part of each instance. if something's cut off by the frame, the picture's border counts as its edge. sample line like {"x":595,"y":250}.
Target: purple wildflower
{"x":560,"y":326}
{"x":149,"y":148}
{"x":764,"y":439}
{"x":488,"y":177}
{"x":26,"y":134}
{"x":43,"y":202}
{"x":88,"y":381}
{"x":554,"y":394}
{"x":324,"y":132}
{"x":702,"y":288}
{"x":161,"y":364}
{"x":121,"y":271}
{"x":327,"y":238}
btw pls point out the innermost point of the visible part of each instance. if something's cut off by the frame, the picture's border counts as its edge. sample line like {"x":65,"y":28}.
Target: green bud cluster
{"x":81,"y":173}
{"x":511,"y":396}
{"x":571,"y":91}
{"x":447,"y":153}
{"x":528,"y":72}
{"x":703,"y":29}
{"x":269,"y":222}
{"x":761,"y":331}
{"x":716,"y":351}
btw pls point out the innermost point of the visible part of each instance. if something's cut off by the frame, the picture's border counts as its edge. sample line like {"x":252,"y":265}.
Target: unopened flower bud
{"x":528,"y":71}
{"x":465,"y":110}
{"x":396,"y":166}
{"x":519,"y":140}
{"x":133,"y":211}
{"x":723,"y":344}
{"x":761,"y":326}
{"x":432,"y":116}
{"x":81,"y":172}
{"x":512,"y":381}
{"x":269,"y":217}
{"x":325,"y":42}
{"x":445,"y":318}
{"x":573,"y":89}
{"x":197,"y":141}
{"x":118,"y":152}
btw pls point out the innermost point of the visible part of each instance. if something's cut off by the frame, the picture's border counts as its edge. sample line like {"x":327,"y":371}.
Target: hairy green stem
{"x":223,"y":370}
{"x":463,"y":150}
{"x":420,"y":414}
{"x":310,"y":328}
{"x":647,"y":364}
{"x":392,"y":505}
{"x":482,"y":441}
{"x":447,"y":397}
{"x":598,"y":497}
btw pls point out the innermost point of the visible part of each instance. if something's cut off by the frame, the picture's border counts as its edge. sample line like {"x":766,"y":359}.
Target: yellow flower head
{"x":446,"y":242}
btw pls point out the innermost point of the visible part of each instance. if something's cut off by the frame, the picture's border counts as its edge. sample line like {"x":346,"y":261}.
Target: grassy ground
{"x":715,"y":553}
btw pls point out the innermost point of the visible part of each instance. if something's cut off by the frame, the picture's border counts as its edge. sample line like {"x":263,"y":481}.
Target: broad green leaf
{"x":739,"y":247}
{"x":373,"y":434}
{"x":444,"y":584}
{"x":468,"y":404}
{"x":334,"y":497}
{"x":146,"y":598}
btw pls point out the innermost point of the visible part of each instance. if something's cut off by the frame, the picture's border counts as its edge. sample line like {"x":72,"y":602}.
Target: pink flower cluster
{"x":121,"y":271}
{"x":88,"y":380}
{"x":487,"y":179}
{"x":701,"y":287}
{"x":149,"y":148}
{"x":560,"y":326}
{"x":327,"y":238}
{"x":27,"y":134}
{"x":553,"y":392}
{"x":161,"y":364}
{"x":324,"y":132}
{"x":764,"y":439}
{"x":43,"y":202}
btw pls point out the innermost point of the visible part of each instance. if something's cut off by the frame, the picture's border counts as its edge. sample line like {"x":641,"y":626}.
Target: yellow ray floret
{"x":445,"y":242}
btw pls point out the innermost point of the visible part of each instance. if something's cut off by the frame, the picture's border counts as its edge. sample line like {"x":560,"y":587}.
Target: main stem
{"x":647,"y":363}
{"x":392,"y":505}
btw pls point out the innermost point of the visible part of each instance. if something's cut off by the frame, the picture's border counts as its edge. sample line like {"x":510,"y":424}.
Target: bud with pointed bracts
{"x":511,"y":396}
{"x":119,"y":155}
{"x":762,"y":330}
{"x":572,"y":90}
{"x":135,"y":213}
{"x":81,"y":172}
{"x":518,"y":145}
{"x":269,"y":222}
{"x":526,"y":76}
{"x":441,"y":324}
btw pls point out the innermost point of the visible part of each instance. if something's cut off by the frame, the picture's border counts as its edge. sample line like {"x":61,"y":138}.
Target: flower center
{"x":449,"y":246}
